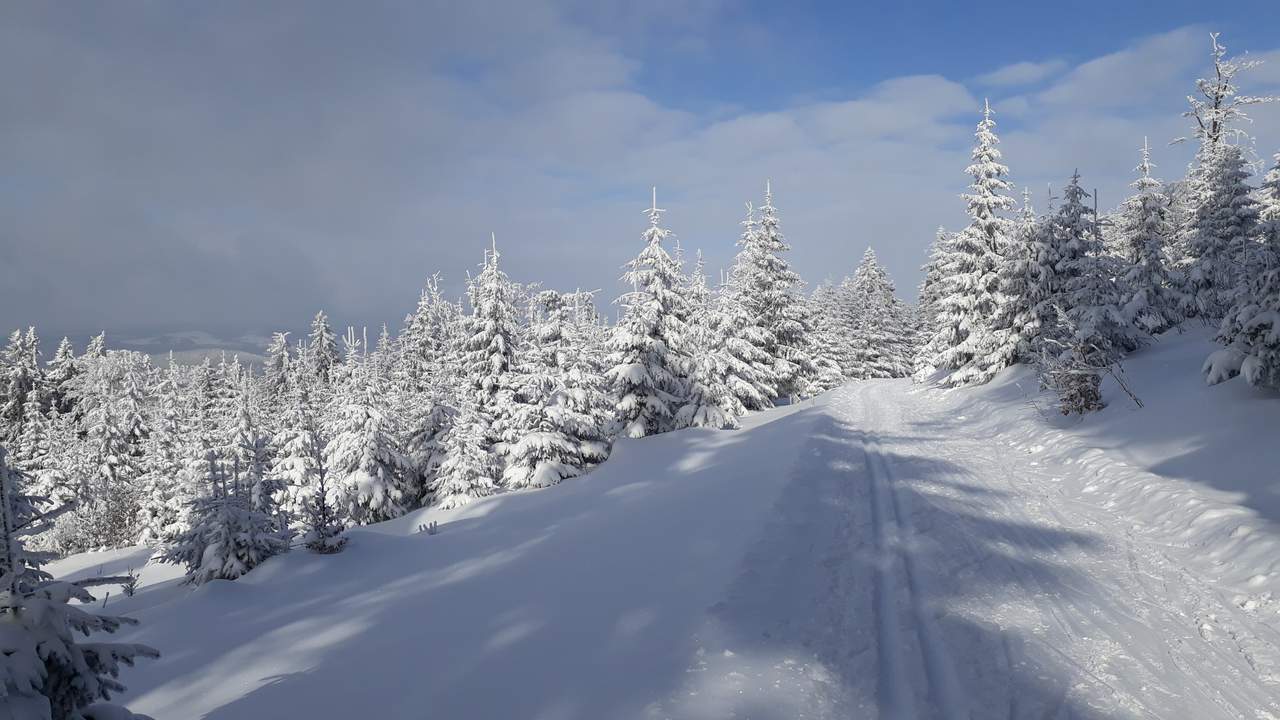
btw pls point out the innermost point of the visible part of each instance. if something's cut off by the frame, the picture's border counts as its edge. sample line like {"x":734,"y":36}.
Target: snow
{"x":885,"y":550}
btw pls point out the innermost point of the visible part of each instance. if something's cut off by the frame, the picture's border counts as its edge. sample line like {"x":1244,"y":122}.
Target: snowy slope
{"x":889,"y":551}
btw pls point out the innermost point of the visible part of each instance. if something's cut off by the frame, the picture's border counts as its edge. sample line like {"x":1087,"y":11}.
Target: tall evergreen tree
{"x":1251,"y":329}
{"x":1150,"y":299}
{"x":1016,"y":323}
{"x":162,"y":493}
{"x":322,"y":352}
{"x":648,"y":359}
{"x":60,"y":376}
{"x":1224,"y":224}
{"x":768,"y":288}
{"x":711,"y":400}
{"x":970,"y":295}
{"x":489,"y":360}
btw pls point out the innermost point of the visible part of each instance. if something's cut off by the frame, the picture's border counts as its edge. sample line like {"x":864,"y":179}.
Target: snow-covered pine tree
{"x":1207,"y":237}
{"x":111,"y":498}
{"x":830,"y":339}
{"x":879,"y":324}
{"x":276,"y":370}
{"x":544,"y":454}
{"x":1251,"y":329}
{"x":1089,"y":297}
{"x":308,"y":497}
{"x":428,"y":359}
{"x":322,"y":351}
{"x":748,"y":342}
{"x":162,"y":495}
{"x":1151,"y":300}
{"x":227,"y":537}
{"x":490,"y":363}
{"x":470,"y":469}
{"x":251,"y":456}
{"x":19,"y":377}
{"x":969,"y":301}
{"x":59,"y":376}
{"x":1015,"y":327}
{"x":294,"y":464}
{"x":368,"y":469}
{"x":937,"y":335}
{"x":711,"y":401}
{"x":323,"y":530}
{"x":1224,"y":225}
{"x":648,"y":359}
{"x":768,"y":288}
{"x":46,"y":673}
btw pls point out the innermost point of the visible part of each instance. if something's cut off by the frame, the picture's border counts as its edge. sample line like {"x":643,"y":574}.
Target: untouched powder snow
{"x":888,"y":551}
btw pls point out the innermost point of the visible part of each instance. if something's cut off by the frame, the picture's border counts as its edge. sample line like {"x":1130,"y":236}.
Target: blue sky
{"x":237,"y":166}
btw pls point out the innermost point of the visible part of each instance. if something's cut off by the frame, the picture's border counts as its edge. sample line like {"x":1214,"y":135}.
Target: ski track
{"x":973,"y":586}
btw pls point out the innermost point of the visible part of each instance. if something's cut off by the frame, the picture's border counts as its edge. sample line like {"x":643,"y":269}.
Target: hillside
{"x":884,"y":551}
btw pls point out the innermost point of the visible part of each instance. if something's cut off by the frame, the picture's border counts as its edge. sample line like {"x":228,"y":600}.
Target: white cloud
{"x":1022,"y":73}
{"x":257,"y":171}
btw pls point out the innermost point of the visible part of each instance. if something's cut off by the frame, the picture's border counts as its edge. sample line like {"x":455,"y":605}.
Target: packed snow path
{"x":873,"y":554}
{"x":914,"y":569}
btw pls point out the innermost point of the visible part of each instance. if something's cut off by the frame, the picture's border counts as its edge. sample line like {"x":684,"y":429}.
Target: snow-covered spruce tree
{"x":545,"y":454}
{"x":711,"y":400}
{"x":162,"y":495}
{"x":46,"y":673}
{"x":647,"y":351}
{"x":227,"y":537}
{"x":307,"y":495}
{"x":59,"y":375}
{"x":747,"y":341}
{"x":489,"y":361}
{"x":1151,"y":300}
{"x":276,"y":370}
{"x":969,"y":298}
{"x":323,"y":530}
{"x":879,"y":324}
{"x":1251,"y":329}
{"x":1224,"y":225}
{"x":832,"y":350}
{"x":929,"y":305}
{"x":1089,"y":297}
{"x":19,"y":377}
{"x":322,"y":350}
{"x":1015,"y":327}
{"x":427,"y":361}
{"x":111,"y":499}
{"x":1067,"y":366}
{"x":470,"y":469}
{"x":368,"y":469}
{"x":583,"y":391}
{"x":1206,"y":239}
{"x":765,"y":284}
{"x":563,"y":413}
{"x":251,"y":455}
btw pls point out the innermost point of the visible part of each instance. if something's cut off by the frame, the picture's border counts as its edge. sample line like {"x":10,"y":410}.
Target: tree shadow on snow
{"x":805,"y":629}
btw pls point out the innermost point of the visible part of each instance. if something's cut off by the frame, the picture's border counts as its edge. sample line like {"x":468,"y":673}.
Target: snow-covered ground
{"x":886,"y":551}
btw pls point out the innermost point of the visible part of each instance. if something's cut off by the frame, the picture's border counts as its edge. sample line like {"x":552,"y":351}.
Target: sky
{"x":234,"y":167}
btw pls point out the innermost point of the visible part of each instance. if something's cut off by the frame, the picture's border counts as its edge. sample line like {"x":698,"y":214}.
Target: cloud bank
{"x":241,"y":166}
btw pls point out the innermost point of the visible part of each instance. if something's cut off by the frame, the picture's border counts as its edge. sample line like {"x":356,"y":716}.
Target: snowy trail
{"x":930,"y":571}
